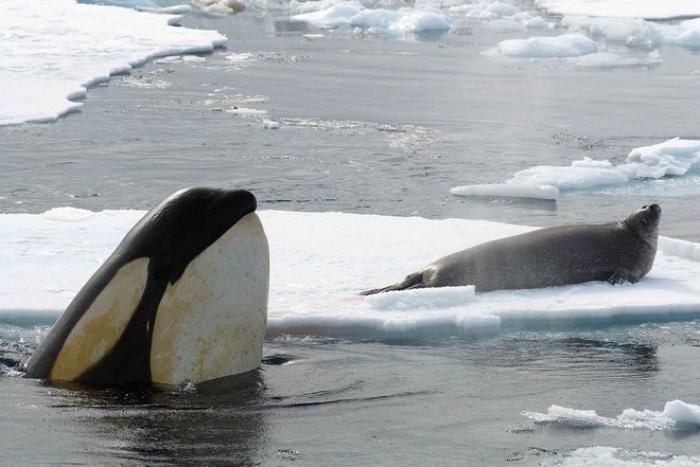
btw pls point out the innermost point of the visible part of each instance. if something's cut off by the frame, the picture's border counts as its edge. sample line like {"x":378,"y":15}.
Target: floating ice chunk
{"x":401,"y":21}
{"x":240,"y":58}
{"x":580,"y":175}
{"x":676,"y":414}
{"x":220,"y":6}
{"x":299,"y":7}
{"x":245,"y":111}
{"x":685,"y":415}
{"x":499,"y":15}
{"x":649,"y":9}
{"x":442,"y":297}
{"x":675,"y":157}
{"x":270,"y":124}
{"x":335,"y":15}
{"x":625,"y":30}
{"x":686,"y":34}
{"x":618,"y":457}
{"x":170,"y":10}
{"x":485,"y":10}
{"x":565,"y":45}
{"x":193,"y":59}
{"x":404,"y":20}
{"x":534,"y":22}
{"x":52,"y":52}
{"x":614,"y":60}
{"x":508,"y":190}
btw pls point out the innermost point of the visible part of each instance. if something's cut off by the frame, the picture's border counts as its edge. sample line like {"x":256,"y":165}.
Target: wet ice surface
{"x":370,"y":124}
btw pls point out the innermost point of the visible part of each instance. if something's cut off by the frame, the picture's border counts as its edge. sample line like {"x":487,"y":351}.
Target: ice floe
{"x":220,"y":6}
{"x":673,"y":158}
{"x":498,"y":15}
{"x":565,"y":45}
{"x":637,"y":32}
{"x":327,"y":14}
{"x":676,"y":415}
{"x":508,"y":190}
{"x":270,"y":124}
{"x":650,"y":9}
{"x":619,"y":457}
{"x":603,"y":60}
{"x":320,"y":261}
{"x":53,"y":50}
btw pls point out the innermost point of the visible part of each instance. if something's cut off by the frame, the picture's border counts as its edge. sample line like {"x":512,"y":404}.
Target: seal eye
{"x":644,"y":221}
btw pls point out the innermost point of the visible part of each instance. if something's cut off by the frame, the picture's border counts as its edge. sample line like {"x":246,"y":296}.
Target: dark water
{"x":369,"y":125}
{"x":334,"y":402}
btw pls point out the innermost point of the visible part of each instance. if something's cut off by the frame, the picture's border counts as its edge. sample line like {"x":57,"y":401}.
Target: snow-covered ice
{"x":54,"y":49}
{"x":650,"y":9}
{"x":673,"y":158}
{"x":320,"y":261}
{"x":676,"y":415}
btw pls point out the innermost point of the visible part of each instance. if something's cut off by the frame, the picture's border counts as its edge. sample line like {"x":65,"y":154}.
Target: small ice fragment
{"x":565,"y":45}
{"x":270,"y":124}
{"x":508,"y":190}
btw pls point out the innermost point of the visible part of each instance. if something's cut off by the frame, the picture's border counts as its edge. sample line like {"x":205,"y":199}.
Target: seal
{"x":616,"y":252}
{"x":182,"y":299}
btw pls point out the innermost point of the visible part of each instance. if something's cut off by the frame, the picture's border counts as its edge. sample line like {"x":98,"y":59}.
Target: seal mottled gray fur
{"x":615,"y":252}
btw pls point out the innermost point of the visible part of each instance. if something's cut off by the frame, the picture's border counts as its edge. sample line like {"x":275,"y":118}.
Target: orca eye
{"x":644,"y":221}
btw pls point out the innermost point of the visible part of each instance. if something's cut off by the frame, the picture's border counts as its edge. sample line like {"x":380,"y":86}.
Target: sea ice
{"x":321,"y":261}
{"x":54,"y":49}
{"x":335,"y":15}
{"x":508,"y":190}
{"x":403,"y":20}
{"x":220,"y":6}
{"x":673,"y":158}
{"x":618,"y":457}
{"x":270,"y":124}
{"x":565,"y":45}
{"x":614,"y":60}
{"x":649,"y":9}
{"x":400,"y":21}
{"x":676,"y":415}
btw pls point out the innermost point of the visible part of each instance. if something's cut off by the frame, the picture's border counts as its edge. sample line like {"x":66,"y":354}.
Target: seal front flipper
{"x":183,"y":298}
{"x":620,"y":276}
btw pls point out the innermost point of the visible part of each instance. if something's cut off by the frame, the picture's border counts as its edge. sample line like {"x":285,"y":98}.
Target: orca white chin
{"x":211,"y":322}
{"x":182,"y":299}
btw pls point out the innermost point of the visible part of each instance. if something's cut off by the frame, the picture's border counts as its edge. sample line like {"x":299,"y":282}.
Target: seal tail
{"x":412,"y":281}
